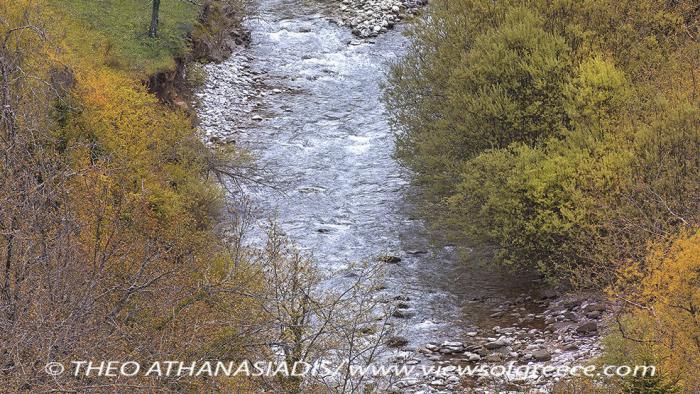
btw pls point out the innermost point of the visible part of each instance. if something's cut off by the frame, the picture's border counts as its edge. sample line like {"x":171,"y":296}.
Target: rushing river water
{"x":311,"y":98}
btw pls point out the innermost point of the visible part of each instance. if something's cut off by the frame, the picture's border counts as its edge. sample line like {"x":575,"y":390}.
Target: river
{"x":305,"y":99}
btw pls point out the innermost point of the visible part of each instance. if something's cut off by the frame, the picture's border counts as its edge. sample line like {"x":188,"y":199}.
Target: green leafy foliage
{"x":551,"y":130}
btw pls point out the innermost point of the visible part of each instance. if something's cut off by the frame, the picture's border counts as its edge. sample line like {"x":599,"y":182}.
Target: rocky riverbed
{"x":565,"y":334}
{"x":369,"y":18}
{"x":228,"y":100}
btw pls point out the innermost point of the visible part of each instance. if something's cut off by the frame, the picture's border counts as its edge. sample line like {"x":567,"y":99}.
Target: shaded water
{"x":326,"y":145}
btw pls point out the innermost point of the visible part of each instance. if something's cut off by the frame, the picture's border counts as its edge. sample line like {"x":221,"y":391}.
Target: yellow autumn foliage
{"x":662,"y":323}
{"x":107,"y":217}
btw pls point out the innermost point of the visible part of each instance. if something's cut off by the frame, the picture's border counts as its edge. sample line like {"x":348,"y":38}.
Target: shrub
{"x":662,"y":323}
{"x":533,"y":135}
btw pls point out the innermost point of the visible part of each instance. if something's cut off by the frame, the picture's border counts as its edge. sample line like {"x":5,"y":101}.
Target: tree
{"x":344,"y":323}
{"x":659,"y":323}
{"x":155,"y":10}
{"x":155,"y":16}
{"x":108,"y":208}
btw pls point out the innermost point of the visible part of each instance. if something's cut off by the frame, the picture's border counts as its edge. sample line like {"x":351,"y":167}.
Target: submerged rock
{"x":396,"y":342}
{"x":403,"y":314}
{"x":389,"y":259}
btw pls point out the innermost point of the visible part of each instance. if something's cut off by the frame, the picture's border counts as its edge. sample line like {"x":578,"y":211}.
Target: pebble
{"x":473,"y":357}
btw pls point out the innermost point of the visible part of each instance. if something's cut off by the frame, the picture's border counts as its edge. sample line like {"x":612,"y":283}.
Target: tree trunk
{"x":153,"y":30}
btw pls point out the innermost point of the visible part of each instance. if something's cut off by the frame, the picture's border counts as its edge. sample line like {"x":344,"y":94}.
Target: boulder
{"x":541,"y":355}
{"x":403,"y":314}
{"x":588,"y":328}
{"x":596,"y":306}
{"x":495,"y":344}
{"x":594,"y":314}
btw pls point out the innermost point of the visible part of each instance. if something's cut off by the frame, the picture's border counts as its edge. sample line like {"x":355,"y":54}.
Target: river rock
{"x":495,"y":344}
{"x":371,"y":17}
{"x":571,"y":316}
{"x":403,"y":314}
{"x":541,"y":355}
{"x":389,"y":259}
{"x":473,"y":357}
{"x":587,"y":328}
{"x":494,"y":358}
{"x":396,"y":342}
{"x":594,"y":314}
{"x":596,"y":306}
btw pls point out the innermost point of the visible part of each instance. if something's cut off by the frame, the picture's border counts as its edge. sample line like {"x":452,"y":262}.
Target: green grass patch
{"x":124,"y":24}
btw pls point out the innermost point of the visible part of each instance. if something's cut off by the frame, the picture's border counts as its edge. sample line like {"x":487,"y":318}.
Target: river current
{"x":305,"y":99}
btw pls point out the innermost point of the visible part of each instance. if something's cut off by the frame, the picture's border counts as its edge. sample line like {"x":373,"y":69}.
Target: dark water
{"x":327,"y":148}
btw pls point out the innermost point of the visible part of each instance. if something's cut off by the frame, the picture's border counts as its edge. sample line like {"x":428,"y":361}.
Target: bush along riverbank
{"x":110,"y":206}
{"x":564,"y":136}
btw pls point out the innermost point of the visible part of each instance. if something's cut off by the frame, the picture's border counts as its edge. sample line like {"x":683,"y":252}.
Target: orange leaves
{"x":666,"y":308}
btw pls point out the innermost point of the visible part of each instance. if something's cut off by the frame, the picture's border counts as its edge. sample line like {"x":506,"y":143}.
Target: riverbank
{"x":516,"y":124}
{"x":566,"y":333}
{"x":109,"y":206}
{"x":218,"y":33}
